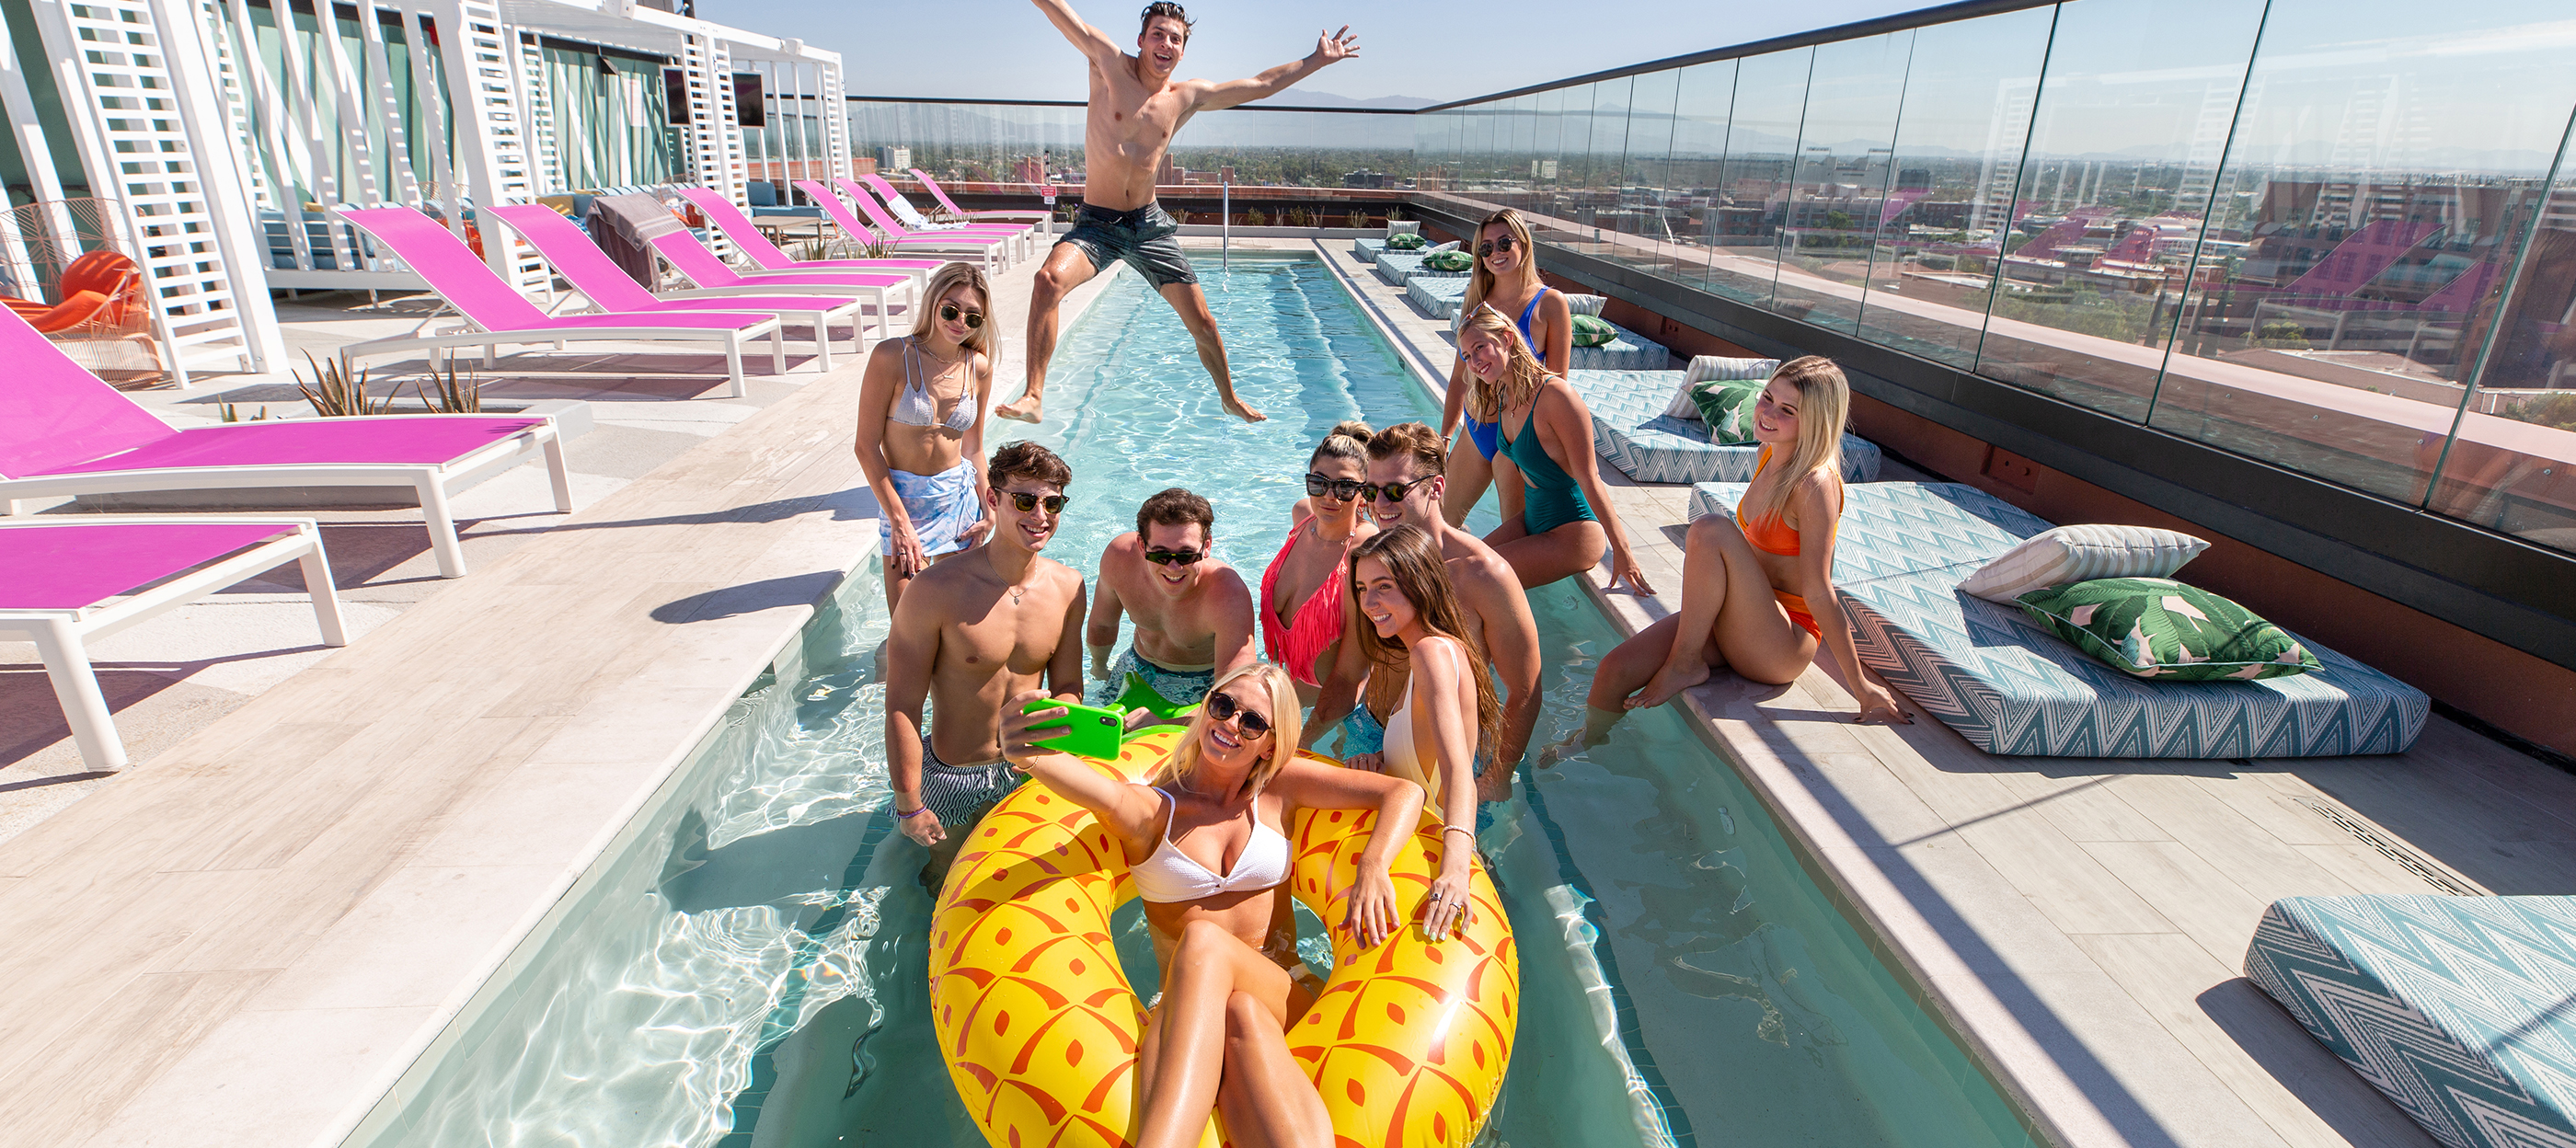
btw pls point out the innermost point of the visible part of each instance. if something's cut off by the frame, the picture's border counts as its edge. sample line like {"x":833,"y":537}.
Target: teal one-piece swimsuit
{"x":1552,"y":499}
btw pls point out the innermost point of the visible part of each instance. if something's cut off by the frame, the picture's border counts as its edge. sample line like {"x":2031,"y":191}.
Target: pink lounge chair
{"x":498,"y":314}
{"x":63,"y":432}
{"x":767,"y":259}
{"x":995,"y":244}
{"x":912,"y":217}
{"x":936,"y":192}
{"x":609,"y":288}
{"x":838,"y":211}
{"x":63,"y":583}
{"x":700,"y":266}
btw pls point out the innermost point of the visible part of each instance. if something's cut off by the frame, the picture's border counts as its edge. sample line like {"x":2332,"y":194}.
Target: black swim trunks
{"x":1144,"y":239}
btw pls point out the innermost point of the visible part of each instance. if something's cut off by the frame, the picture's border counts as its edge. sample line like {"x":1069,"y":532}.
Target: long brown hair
{"x":1286,"y":724}
{"x":1423,"y":578}
{"x":1522,"y":372}
{"x":1824,"y":405}
{"x":1480,"y":280}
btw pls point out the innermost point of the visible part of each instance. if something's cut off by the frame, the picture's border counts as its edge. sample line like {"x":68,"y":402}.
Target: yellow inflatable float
{"x":1407,"y":1044}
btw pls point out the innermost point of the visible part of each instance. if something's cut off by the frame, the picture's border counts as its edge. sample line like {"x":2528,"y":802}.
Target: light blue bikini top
{"x":913,"y":406}
{"x":1171,"y":875}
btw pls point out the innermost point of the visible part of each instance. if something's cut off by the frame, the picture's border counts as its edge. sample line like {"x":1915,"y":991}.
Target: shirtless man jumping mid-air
{"x":1136,"y":106}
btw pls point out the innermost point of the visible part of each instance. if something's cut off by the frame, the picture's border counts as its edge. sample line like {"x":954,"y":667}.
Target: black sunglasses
{"x":948,"y":313}
{"x":1161,"y":557}
{"x":1054,"y":503}
{"x":1340,"y":489}
{"x":1393,"y":491}
{"x":1223,"y":707}
{"x":1491,"y":246}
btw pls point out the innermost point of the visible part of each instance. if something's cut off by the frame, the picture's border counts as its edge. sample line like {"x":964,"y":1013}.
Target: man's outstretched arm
{"x":1094,"y":43}
{"x":1329,"y":48}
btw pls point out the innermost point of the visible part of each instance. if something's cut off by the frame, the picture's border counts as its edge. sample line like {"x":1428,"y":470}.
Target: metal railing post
{"x":1225,"y":221}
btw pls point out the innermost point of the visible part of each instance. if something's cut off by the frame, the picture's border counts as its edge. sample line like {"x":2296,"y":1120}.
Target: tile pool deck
{"x":2080,"y":923}
{"x":222,"y":946}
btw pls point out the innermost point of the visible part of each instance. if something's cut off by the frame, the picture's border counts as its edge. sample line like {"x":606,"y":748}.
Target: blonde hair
{"x":1348,"y":439}
{"x":1480,"y":280}
{"x":1287,"y":723}
{"x":944,"y":280}
{"x":1522,"y":372}
{"x":1824,"y":406}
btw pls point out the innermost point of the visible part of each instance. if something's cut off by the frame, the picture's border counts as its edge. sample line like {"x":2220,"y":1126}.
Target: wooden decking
{"x":2080,"y":923}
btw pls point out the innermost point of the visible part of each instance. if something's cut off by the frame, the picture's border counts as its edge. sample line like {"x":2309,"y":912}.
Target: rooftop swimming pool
{"x":747,"y":967}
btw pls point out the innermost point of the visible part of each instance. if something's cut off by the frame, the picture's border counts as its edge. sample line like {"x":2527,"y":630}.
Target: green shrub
{"x":1356,"y":219}
{"x":2282,"y":334}
{"x":1254,"y":217}
{"x":2557,"y":411}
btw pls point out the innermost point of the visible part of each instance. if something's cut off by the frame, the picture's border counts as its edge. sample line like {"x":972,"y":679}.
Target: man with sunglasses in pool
{"x":1193,"y":612}
{"x":968,"y":634}
{"x":1136,"y":106}
{"x":1405,"y":467}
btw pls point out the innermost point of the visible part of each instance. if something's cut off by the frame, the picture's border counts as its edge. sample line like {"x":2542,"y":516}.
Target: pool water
{"x":750,"y":970}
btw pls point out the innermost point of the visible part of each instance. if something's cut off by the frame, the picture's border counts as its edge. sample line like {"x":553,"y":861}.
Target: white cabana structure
{"x":226,"y":129}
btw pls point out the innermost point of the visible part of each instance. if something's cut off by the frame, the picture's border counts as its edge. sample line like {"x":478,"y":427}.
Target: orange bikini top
{"x":1772,"y":534}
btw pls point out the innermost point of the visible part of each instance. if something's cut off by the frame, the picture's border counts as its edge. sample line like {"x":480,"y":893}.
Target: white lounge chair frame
{"x":62,"y":637}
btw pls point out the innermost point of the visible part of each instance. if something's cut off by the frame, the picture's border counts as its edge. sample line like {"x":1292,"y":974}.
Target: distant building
{"x":894,"y":159}
{"x":1364,"y":178}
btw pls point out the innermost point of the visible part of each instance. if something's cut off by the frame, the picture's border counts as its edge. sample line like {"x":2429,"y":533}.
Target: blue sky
{"x":1440,"y":51}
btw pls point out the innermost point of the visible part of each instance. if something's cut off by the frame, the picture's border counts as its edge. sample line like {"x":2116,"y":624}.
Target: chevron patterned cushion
{"x":2009,"y":686}
{"x":1629,"y":431}
{"x":2455,"y":1007}
{"x":1438,"y":295}
{"x":1367,"y":249}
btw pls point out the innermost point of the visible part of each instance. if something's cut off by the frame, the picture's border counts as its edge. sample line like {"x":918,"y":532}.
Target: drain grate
{"x":2414,"y":862}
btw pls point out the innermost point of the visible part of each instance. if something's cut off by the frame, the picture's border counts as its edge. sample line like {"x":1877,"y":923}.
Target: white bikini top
{"x":1171,"y":875}
{"x":1401,"y":760}
{"x":914,"y":406}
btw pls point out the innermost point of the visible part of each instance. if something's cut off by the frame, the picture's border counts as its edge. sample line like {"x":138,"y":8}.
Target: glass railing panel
{"x":2378,"y":189}
{"x":1319,"y":149}
{"x":1831,"y":218}
{"x":2124,"y":148}
{"x":1642,"y":229}
{"x":2511,"y":465}
{"x":1703,"y":111}
{"x":1753,"y":187}
{"x":1968,"y":92}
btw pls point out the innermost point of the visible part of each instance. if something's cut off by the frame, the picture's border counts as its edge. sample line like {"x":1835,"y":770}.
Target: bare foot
{"x":1025,"y":409}
{"x":1239,"y":409}
{"x":1667,"y":682}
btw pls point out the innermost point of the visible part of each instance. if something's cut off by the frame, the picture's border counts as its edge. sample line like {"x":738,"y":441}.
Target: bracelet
{"x":1471,"y":834}
{"x":925,"y":808}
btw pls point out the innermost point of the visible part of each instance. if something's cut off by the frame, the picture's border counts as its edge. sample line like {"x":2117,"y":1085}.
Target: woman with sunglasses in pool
{"x":1193,"y":613}
{"x":922,"y":408}
{"x":1301,"y":592}
{"x":1206,"y":842}
{"x":1557,"y":516}
{"x":1505,"y":278}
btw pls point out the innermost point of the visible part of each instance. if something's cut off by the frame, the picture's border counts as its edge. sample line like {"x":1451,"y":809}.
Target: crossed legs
{"x":1219,"y":1042}
{"x":1729,"y":618}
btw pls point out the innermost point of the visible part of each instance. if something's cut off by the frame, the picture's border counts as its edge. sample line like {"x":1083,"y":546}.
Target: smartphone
{"x":1090,"y":731}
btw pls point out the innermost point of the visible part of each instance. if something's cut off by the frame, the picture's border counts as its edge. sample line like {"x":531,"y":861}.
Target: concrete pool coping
{"x":249,"y":939}
{"x":2078,"y":923}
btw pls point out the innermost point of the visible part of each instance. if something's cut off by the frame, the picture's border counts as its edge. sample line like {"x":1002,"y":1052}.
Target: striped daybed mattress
{"x":1631,"y":431}
{"x":2010,"y":686}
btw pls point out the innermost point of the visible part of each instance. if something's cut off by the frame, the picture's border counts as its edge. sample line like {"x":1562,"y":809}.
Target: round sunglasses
{"x":1490,"y":246}
{"x":948,"y":313}
{"x":1161,"y":557}
{"x":1223,"y":707}
{"x":1392,"y":491}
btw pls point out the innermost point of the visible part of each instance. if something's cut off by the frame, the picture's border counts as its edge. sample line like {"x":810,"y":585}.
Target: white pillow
{"x":2081,"y":554}
{"x":1705,"y":368}
{"x":1395,"y":227}
{"x":1452,"y":245}
{"x":1585,"y":304}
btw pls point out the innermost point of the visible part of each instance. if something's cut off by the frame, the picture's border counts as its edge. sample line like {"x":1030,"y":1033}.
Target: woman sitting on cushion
{"x":921,"y":427}
{"x":1557,"y":517}
{"x":1757,"y":588}
{"x":1207,"y":845}
{"x":1506,"y":276}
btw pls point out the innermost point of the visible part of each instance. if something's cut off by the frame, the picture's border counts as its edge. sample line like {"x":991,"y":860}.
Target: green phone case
{"x":1090,"y":731}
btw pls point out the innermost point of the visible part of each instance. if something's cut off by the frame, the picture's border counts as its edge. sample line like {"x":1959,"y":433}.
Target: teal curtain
{"x":608,"y":125}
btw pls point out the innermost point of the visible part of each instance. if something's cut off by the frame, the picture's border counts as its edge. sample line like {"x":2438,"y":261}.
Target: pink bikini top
{"x":1171,"y":875}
